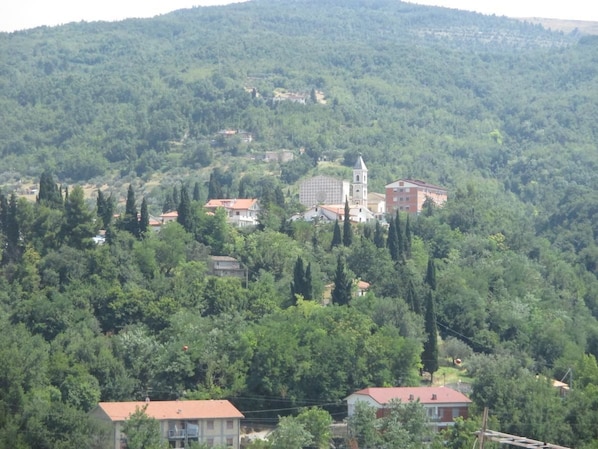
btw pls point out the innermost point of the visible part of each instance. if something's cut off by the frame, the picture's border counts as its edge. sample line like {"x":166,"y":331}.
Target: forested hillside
{"x":501,"y":112}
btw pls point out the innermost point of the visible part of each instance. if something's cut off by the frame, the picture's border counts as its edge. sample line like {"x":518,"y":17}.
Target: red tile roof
{"x":161,"y":410}
{"x":240,"y":203}
{"x":425,"y":395}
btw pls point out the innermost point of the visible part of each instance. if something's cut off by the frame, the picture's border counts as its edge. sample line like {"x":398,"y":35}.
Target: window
{"x":210,"y":425}
{"x":406,"y":198}
{"x":407,"y":189}
{"x":401,"y":199}
{"x":394,"y":190}
{"x":357,"y":178}
{"x":229,"y":424}
{"x":455,"y":413}
{"x":400,"y":190}
{"x":229,"y":441}
{"x":210,"y":442}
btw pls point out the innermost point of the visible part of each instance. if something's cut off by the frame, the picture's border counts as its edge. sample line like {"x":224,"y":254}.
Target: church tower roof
{"x":359,"y":164}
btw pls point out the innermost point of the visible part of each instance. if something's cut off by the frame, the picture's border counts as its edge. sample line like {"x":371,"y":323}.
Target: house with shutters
{"x":240,"y":212}
{"x":442,"y":404}
{"x":214,"y":423}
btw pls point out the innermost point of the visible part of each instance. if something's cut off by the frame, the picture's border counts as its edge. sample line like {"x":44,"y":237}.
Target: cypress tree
{"x":392,"y":241}
{"x":130,"y":221}
{"x":105,"y":209}
{"x":12,"y":248}
{"x":408,"y":237}
{"x":347,"y":230}
{"x":336,"y":235}
{"x":430,"y":353}
{"x":176,"y":199}
{"x":78,"y":227}
{"x":49,"y":192}
{"x":341,"y":292}
{"x":400,"y":237}
{"x":298,"y":284}
{"x":169,"y":204}
{"x":196,"y":192}
{"x":308,"y":292}
{"x":143,"y":218}
{"x":185,"y":214}
{"x":378,"y":235}
{"x":431,"y":274}
{"x":214,"y":188}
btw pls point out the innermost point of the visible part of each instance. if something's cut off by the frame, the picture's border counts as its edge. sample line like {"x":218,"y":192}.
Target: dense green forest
{"x":501,"y":112}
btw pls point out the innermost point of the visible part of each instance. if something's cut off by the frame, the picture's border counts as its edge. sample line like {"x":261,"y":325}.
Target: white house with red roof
{"x":332,"y":212}
{"x":212,"y":422}
{"x":240,"y":212}
{"x":442,"y":404}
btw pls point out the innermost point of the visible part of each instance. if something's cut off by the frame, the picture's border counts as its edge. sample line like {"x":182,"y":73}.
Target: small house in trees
{"x":442,"y":404}
{"x":409,"y":195}
{"x":167,"y":217}
{"x":226,"y":266}
{"x":240,"y":212}
{"x":211,"y":422}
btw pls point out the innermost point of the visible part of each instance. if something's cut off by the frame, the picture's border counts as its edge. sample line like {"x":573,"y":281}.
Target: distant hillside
{"x":567,"y":26}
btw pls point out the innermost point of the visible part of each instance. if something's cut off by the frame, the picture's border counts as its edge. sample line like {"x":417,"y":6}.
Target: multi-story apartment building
{"x":212,"y":422}
{"x":409,"y":195}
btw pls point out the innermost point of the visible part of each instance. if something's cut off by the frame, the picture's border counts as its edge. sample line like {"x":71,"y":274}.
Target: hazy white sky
{"x":21,"y":14}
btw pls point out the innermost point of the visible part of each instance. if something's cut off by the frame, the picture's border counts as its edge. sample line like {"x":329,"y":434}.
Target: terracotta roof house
{"x":240,"y":212}
{"x":442,"y":404}
{"x":408,"y":195}
{"x":213,"y":422}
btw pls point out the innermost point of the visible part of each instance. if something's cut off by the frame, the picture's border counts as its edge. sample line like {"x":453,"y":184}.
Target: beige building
{"x":212,"y":422}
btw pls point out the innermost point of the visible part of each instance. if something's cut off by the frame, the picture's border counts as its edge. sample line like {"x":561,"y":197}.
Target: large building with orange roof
{"x":211,"y":422}
{"x":442,"y":404}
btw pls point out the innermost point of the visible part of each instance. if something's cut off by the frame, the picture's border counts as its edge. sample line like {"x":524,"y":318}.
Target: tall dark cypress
{"x":378,"y":235}
{"x":336,"y":235}
{"x":347,"y":230}
{"x":308,"y":291}
{"x":214,"y":188}
{"x":431,"y":274}
{"x":143,"y":218}
{"x":185,"y":215}
{"x":196,"y":192}
{"x":392,"y":241}
{"x":49,"y":192}
{"x":430,"y":353}
{"x":400,"y":237}
{"x":130,"y":222}
{"x":105,"y":209}
{"x":408,"y":237}
{"x":298,"y":284}
{"x":12,"y":249}
{"x":343,"y":285}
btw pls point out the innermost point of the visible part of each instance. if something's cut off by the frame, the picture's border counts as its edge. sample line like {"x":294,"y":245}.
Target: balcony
{"x":180,"y":434}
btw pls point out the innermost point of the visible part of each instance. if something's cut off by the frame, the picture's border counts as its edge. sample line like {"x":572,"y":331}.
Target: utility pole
{"x":484,"y":424}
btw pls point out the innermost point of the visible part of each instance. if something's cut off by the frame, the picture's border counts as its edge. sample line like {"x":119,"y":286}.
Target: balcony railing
{"x":183,"y":433}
